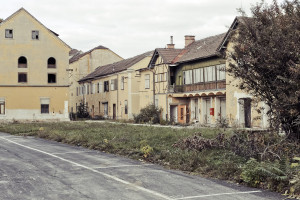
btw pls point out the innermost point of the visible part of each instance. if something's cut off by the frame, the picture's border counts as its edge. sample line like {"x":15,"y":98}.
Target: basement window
{"x":51,"y":78}
{"x":35,"y":35}
{"x":8,"y":33}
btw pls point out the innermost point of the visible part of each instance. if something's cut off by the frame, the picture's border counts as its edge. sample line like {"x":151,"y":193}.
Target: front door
{"x":182,"y":114}
{"x":114,"y":111}
{"x":245,"y":112}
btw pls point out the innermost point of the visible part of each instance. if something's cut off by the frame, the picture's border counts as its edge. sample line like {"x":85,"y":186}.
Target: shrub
{"x":149,"y":114}
{"x":82,"y":111}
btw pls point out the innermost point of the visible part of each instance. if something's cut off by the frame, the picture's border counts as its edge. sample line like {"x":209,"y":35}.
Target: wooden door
{"x":114,"y":111}
{"x":181,"y":114}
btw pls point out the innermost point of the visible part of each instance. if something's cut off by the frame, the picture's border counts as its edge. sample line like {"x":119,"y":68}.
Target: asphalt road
{"x":33,"y":168}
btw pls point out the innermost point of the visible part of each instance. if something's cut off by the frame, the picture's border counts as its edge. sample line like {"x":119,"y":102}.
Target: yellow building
{"x":241,"y":105}
{"x":34,"y":78}
{"x":83,"y":63}
{"x":118,"y":90}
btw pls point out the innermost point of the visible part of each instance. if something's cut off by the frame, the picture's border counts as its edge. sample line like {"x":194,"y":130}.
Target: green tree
{"x":266,"y":59}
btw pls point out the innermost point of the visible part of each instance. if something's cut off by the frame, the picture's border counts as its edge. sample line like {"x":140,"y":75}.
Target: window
{"x":156,"y":78}
{"x":187,"y":77}
{"x":161,"y":77}
{"x":51,"y":78}
{"x":198,"y":75}
{"x":106,"y":86}
{"x":51,"y":62}
{"x":126,"y":107}
{"x":210,"y":73}
{"x":45,"y":105}
{"x":92,"y":88}
{"x":9,"y":33}
{"x":122,"y":83}
{"x":165,"y":76}
{"x":221,"y":75}
{"x":76,"y":91}
{"x":2,"y":106}
{"x":87,"y":89}
{"x":35,"y":35}
{"x":98,"y":88}
{"x":147,"y":81}
{"x":112,"y":84}
{"x":22,"y":62}
{"x":22,"y":77}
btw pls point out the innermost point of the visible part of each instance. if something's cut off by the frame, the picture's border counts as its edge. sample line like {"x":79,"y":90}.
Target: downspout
{"x":117,"y":96}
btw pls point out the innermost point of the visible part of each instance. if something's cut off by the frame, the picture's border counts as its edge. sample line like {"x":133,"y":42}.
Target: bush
{"x":149,"y":114}
{"x":82,"y":111}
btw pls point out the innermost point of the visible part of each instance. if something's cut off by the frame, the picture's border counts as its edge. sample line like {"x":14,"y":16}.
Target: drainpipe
{"x":117,"y":97}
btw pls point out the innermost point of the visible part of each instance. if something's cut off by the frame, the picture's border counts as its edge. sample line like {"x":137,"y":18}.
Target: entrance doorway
{"x":114,"y":111}
{"x":245,"y":112}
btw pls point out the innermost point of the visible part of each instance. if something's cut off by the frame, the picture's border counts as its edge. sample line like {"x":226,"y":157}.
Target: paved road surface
{"x":33,"y":168}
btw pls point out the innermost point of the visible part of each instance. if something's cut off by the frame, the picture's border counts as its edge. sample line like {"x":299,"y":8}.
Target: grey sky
{"x":130,"y":27}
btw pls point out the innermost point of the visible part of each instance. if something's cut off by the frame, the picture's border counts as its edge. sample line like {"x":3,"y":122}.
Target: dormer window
{"x":8,"y":33}
{"x":51,"y":62}
{"x":22,"y":62}
{"x":35,"y":35}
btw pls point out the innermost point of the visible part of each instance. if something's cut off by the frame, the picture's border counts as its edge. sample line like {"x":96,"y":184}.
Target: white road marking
{"x":93,"y":170}
{"x":220,"y":194}
{"x":119,"y":166}
{"x":71,"y":152}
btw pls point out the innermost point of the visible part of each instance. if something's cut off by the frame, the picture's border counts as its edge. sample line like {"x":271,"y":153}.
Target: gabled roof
{"x":78,"y":56}
{"x":50,"y":31}
{"x":233,"y":26}
{"x":200,"y":49}
{"x":115,"y":67}
{"x":167,"y":55}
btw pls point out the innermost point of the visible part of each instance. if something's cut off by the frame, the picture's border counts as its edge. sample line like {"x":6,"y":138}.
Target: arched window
{"x":51,"y":62}
{"x":22,"y":62}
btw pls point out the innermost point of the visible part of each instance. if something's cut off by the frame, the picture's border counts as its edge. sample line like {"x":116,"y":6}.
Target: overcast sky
{"x":130,"y":27}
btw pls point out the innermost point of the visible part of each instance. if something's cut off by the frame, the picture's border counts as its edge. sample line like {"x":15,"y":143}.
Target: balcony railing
{"x":198,"y":86}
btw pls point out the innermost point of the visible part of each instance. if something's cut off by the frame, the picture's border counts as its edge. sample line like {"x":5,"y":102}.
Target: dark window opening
{"x":51,"y":62}
{"x":106,"y":86}
{"x":35,"y":35}
{"x":8,"y":33}
{"x":51,"y":78}
{"x":45,"y":108}
{"x":22,"y":62}
{"x":22,"y":78}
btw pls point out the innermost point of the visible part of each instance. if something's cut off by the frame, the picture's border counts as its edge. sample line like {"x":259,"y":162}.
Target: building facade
{"x":83,"y":63}
{"x":118,"y":90}
{"x":33,"y":72}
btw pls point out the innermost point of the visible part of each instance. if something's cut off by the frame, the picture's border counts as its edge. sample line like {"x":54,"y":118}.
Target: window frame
{"x":51,"y":66}
{"x":2,"y":106}
{"x":35,"y":35}
{"x":9,"y":35}
{"x":147,"y":81}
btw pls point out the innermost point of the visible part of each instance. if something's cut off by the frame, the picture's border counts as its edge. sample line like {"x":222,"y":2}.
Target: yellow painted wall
{"x":22,"y":100}
{"x":86,"y":65}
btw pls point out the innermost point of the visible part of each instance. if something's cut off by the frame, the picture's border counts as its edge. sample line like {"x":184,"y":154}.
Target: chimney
{"x":171,"y":45}
{"x":189,"y":39}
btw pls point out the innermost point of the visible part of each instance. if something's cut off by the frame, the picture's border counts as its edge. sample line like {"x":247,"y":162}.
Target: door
{"x":206,"y":111}
{"x":105,"y":109}
{"x":222,"y":108}
{"x":93,"y":111}
{"x":245,"y":112}
{"x":114,"y":111}
{"x":173,"y":114}
{"x":181,"y":114}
